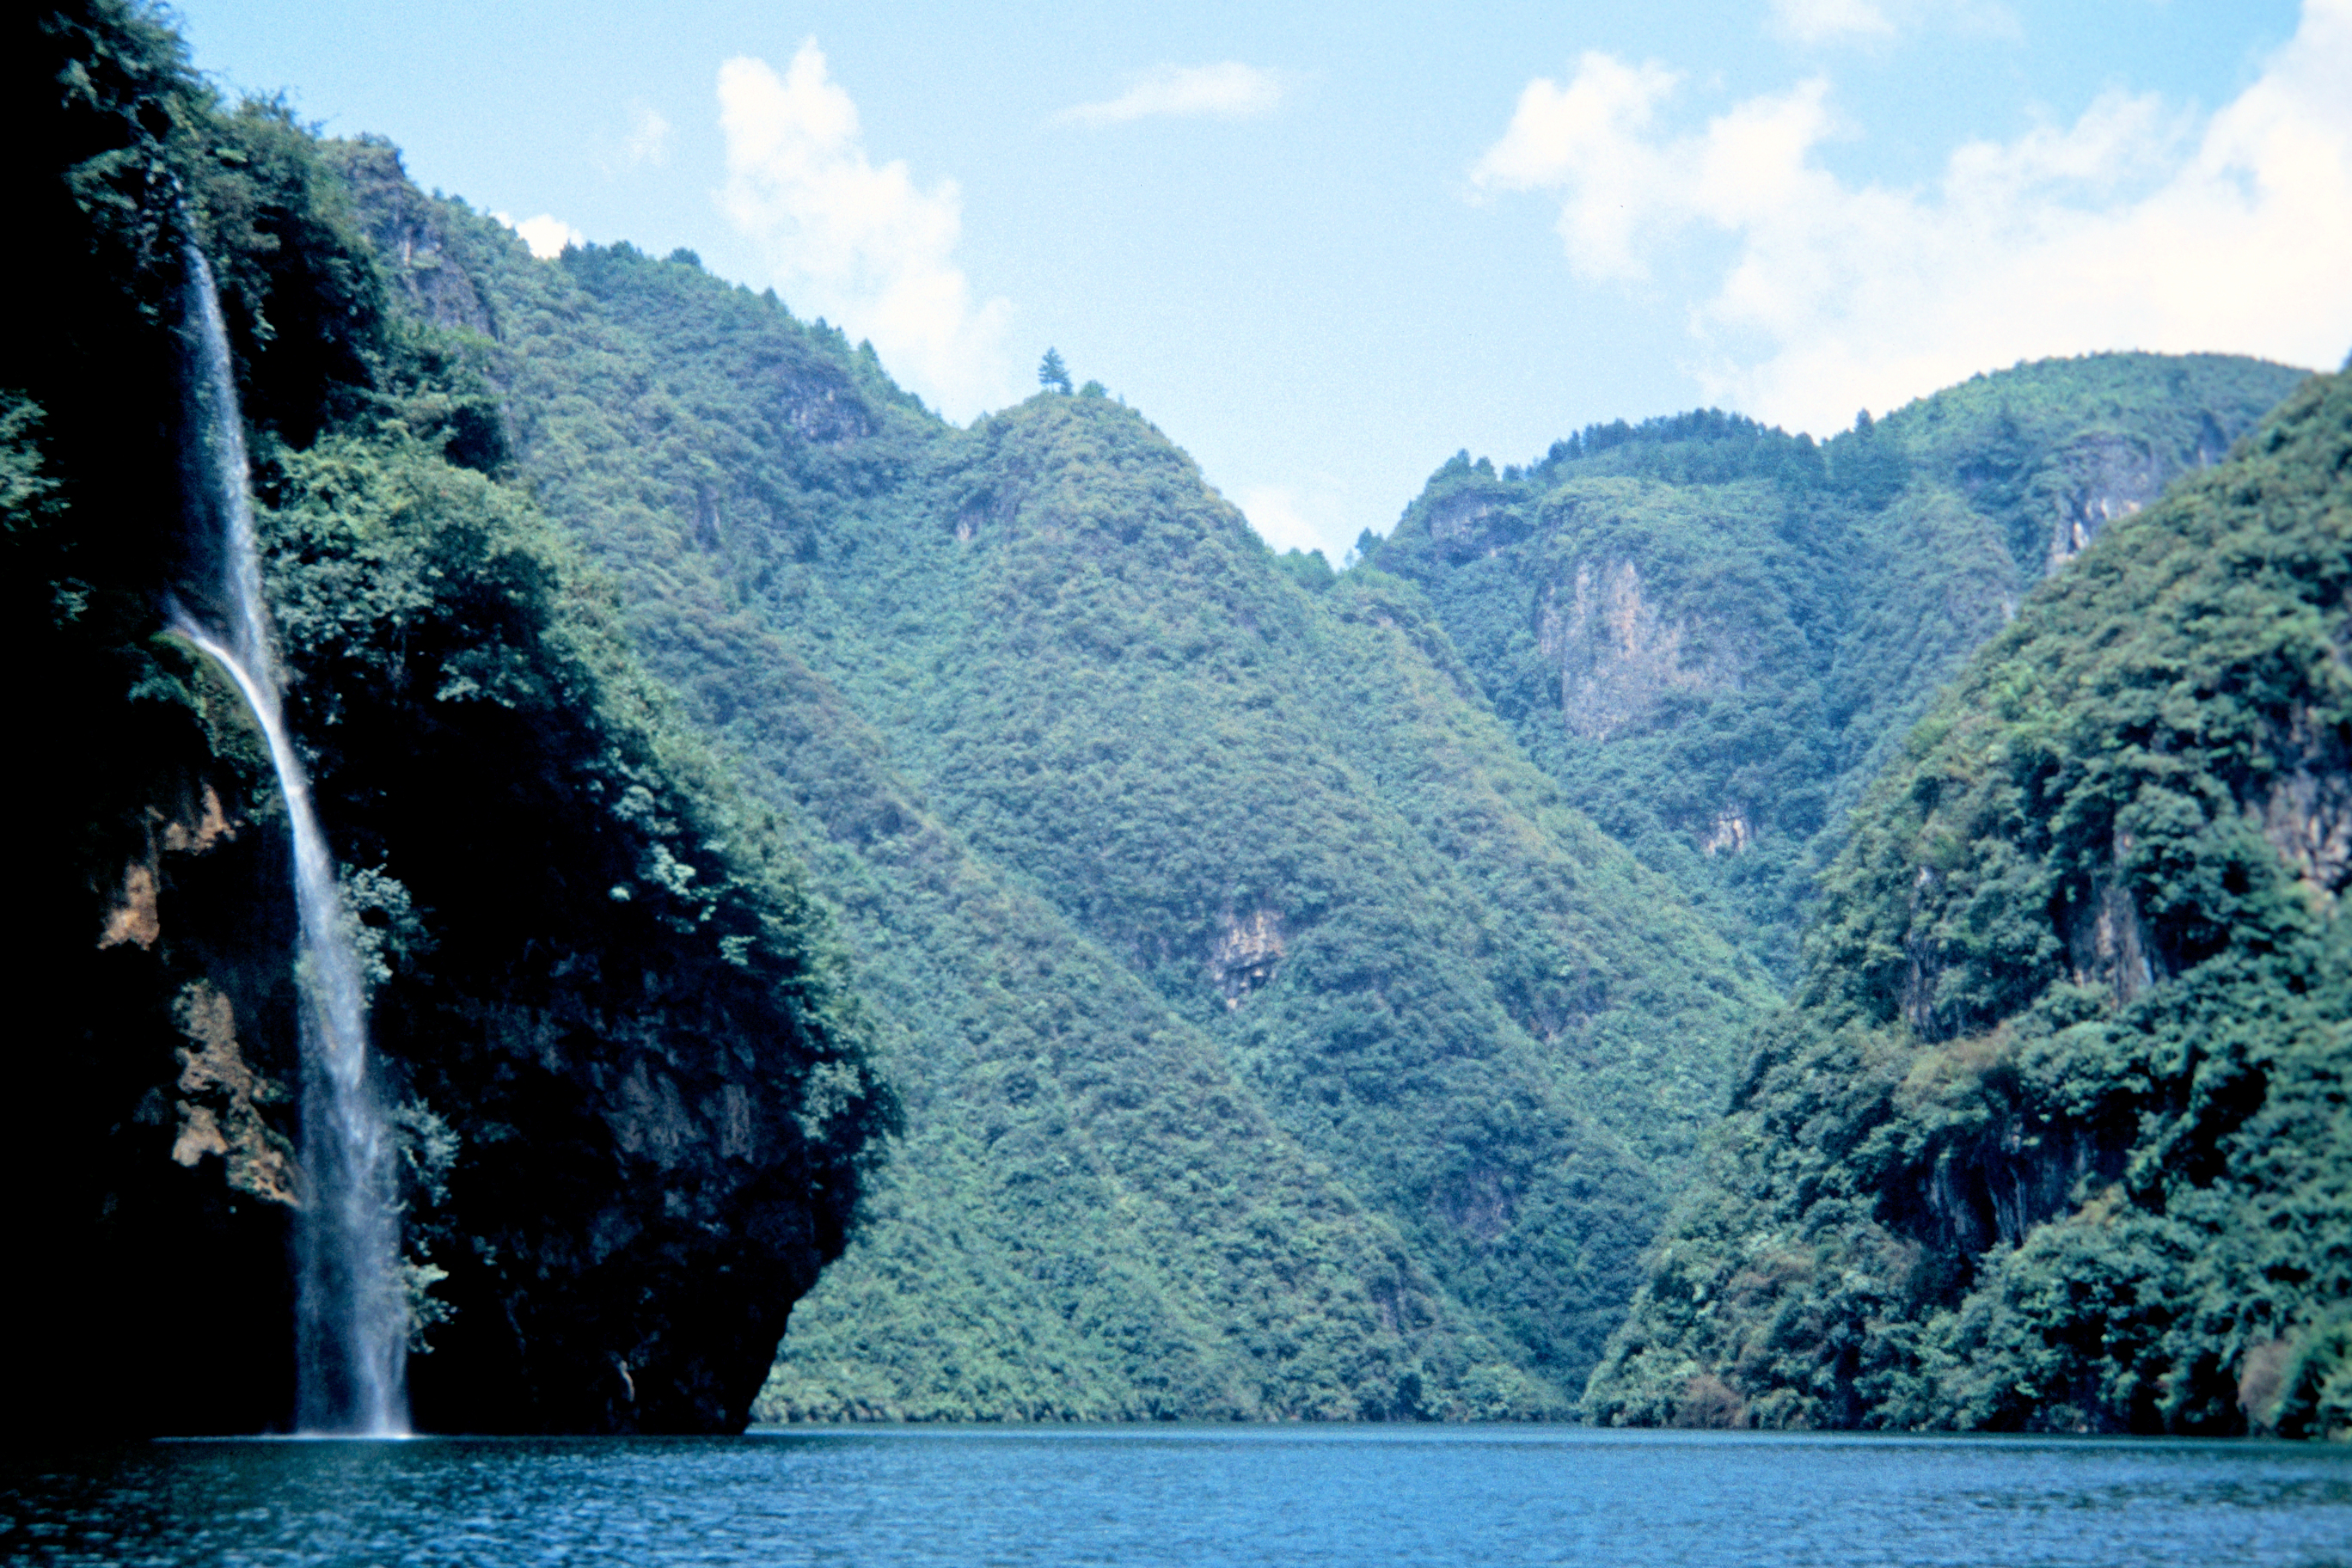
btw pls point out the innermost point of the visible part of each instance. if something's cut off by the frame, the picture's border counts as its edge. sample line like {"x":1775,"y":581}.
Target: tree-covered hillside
{"x":1280,"y":992}
{"x":2056,"y":1135}
{"x":1709,"y":632}
{"x":1296,"y":859}
{"x":1275,"y":829}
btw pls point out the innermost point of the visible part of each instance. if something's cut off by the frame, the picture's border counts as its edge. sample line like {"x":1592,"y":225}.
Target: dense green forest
{"x":1152,"y":977}
{"x":1293,"y":820}
{"x":2056,"y":1134}
{"x":1271,"y":831}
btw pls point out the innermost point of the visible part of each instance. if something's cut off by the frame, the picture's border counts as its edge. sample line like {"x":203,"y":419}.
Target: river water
{"x":1192,"y":1496}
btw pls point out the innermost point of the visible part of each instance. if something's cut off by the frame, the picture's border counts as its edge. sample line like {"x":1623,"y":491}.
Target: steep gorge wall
{"x":2053,"y":1135}
{"x":629,"y":1090}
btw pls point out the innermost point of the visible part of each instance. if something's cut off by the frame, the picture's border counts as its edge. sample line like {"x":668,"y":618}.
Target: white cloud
{"x":648,"y":138}
{"x":1309,"y":516}
{"x":862,"y":246}
{"x":546,"y":235}
{"x":1817,"y":21}
{"x":1589,"y":137}
{"x":1870,"y":22}
{"x":1230,"y":90}
{"x":2137,"y":227}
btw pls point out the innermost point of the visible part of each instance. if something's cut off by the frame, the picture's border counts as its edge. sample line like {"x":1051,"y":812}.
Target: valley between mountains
{"x":1703,"y":926}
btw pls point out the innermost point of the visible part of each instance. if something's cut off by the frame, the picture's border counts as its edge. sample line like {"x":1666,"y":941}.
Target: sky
{"x":1325,"y":246}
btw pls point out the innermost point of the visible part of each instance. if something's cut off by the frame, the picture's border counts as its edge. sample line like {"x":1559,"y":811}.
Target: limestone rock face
{"x":1619,"y":653}
{"x":2306,"y":812}
{"x":410,"y":242}
{"x":1244,"y":955}
{"x":2091,"y":480}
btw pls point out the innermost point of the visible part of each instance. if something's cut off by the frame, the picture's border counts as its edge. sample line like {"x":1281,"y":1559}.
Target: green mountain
{"x":1712,"y":633}
{"x":1409,"y":1057}
{"x":1305,"y":844}
{"x":2054,"y":1135}
{"x":1365,"y":962}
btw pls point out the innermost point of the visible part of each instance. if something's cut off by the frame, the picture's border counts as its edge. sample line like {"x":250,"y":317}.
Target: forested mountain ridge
{"x":1710,"y":632}
{"x":1273,"y":813}
{"x":1214,"y":772}
{"x":2056,"y":1134}
{"x":1090,"y":678}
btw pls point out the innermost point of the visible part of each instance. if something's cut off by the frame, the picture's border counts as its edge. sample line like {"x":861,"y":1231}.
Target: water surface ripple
{"x":1191,"y":1496}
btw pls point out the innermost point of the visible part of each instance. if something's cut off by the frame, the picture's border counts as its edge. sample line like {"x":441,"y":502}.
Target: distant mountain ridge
{"x":1276,"y":817}
{"x":1711,"y":632}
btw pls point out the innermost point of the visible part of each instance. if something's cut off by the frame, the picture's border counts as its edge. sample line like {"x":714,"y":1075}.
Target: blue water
{"x":1191,"y":1496}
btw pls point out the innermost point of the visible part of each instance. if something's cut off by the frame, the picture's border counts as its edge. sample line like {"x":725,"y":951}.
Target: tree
{"x":1051,"y":373}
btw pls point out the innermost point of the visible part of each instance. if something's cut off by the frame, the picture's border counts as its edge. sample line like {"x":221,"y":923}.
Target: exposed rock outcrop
{"x":1618,"y":652}
{"x":222,"y":1113}
{"x":1242,"y":956}
{"x":2107,"y":942}
{"x":1990,"y":1190}
{"x":2305,"y":812}
{"x":410,"y":243}
{"x":1731,"y":832}
{"x":2091,"y":481}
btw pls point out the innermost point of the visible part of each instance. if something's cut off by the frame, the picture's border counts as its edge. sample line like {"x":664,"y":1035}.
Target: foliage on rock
{"x":1711,"y":632}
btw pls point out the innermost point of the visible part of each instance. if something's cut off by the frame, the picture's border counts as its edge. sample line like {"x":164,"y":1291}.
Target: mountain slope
{"x":1279,"y":1037}
{"x":2056,"y":1134}
{"x":1285,"y":815}
{"x":1709,"y":631}
{"x":1089,"y":1216}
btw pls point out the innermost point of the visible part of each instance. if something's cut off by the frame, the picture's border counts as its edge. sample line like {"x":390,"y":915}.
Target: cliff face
{"x":2101,"y":475}
{"x":593,"y":981}
{"x":1621,"y":657}
{"x":628,"y":1090}
{"x":628,"y":1121}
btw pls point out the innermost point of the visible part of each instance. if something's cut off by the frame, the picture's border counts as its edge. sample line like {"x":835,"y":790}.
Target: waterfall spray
{"x":350,"y":1310}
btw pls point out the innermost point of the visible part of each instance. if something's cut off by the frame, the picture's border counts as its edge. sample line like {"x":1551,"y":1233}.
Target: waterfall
{"x":352,"y":1315}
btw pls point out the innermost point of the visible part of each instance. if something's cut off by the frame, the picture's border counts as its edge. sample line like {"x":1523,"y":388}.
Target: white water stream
{"x":352,"y":1347}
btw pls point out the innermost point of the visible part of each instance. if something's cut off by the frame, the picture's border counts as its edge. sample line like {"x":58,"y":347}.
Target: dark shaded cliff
{"x":630,"y":1089}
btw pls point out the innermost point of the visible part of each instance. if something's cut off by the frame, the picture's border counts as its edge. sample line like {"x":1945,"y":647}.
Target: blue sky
{"x":1325,"y":246}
